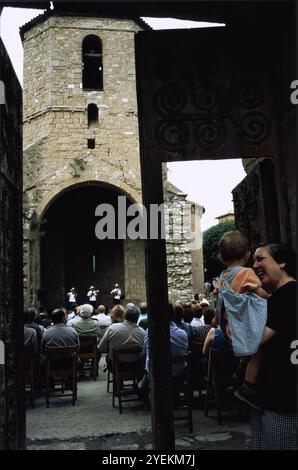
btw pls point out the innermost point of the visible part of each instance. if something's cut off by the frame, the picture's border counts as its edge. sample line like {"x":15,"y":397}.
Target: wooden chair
{"x":88,"y":353}
{"x":182,"y":391}
{"x":216,"y":382}
{"x":127,"y":366}
{"x":67,"y":354}
{"x":29,"y":368}
{"x":196,"y":368}
{"x":109,"y":380}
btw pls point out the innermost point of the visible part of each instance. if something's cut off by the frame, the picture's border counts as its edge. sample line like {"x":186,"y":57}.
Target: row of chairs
{"x":87,"y":355}
{"x":182,"y":391}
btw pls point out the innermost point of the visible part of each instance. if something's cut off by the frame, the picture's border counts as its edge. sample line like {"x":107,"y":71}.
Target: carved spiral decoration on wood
{"x":250,"y":95}
{"x":210,"y":133}
{"x":254,"y":128}
{"x":172,"y":135}
{"x":206,"y":99}
{"x":170,"y":99}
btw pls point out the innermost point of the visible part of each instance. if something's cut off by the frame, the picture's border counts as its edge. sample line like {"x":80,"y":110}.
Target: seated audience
{"x":178,"y":345}
{"x":178,"y":309}
{"x":87,"y":326}
{"x":76,"y":318}
{"x":30,"y":316}
{"x":200,"y":332}
{"x":187,"y":314}
{"x":126,"y":334}
{"x":117,"y":314}
{"x":197,"y":316}
{"x":30,"y":339}
{"x":143,"y":318}
{"x":59,"y":334}
{"x":217,"y":340}
{"x":43,"y":318}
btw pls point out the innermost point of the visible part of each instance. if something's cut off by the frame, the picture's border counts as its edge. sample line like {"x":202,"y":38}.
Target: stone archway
{"x":63,"y":250}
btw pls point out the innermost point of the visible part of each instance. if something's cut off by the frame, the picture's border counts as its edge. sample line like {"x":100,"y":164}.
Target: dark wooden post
{"x":157,"y":293}
{"x":12,"y":402}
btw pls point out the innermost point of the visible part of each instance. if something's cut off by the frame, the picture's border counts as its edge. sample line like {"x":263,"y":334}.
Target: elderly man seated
{"x":126,"y":334}
{"x":87,"y":326}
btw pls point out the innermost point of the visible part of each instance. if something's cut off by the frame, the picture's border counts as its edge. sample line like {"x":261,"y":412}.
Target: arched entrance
{"x":70,"y":253}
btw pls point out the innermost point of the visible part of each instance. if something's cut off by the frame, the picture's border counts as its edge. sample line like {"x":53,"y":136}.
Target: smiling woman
{"x":275,"y":426}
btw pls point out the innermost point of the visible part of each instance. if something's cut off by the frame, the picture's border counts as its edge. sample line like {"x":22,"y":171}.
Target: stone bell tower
{"x":81,"y":148}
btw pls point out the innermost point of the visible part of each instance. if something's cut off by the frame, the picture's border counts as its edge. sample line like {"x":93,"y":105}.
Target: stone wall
{"x":56,"y":130}
{"x":134,"y":268}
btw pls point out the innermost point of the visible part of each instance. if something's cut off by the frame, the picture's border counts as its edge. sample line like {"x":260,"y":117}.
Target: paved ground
{"x":94,"y":424}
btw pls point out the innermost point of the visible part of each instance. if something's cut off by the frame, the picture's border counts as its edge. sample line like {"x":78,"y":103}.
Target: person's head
{"x":91,"y":288}
{"x":72,"y":289}
{"x":30,"y":315}
{"x":197,"y":311}
{"x":132,"y":313}
{"x":171,"y":312}
{"x":86,"y":310}
{"x":201,"y":297}
{"x":101,"y":309}
{"x":204,"y":304}
{"x":196,"y":296}
{"x":275,"y":264}
{"x":77,"y":310}
{"x":187,"y":305}
{"x":42,"y":310}
{"x":58,"y":315}
{"x":233,"y":248}
{"x":178,"y":309}
{"x":117,"y":314}
{"x":208,"y":315}
{"x":116,"y":286}
{"x":143,"y":307}
{"x":188,"y":314}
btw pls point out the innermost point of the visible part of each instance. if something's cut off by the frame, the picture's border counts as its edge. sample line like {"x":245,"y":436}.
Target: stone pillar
{"x":134,"y":271}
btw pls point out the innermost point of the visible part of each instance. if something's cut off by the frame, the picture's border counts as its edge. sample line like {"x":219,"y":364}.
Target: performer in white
{"x":116,"y":294}
{"x":72,"y":299}
{"x":92,"y":296}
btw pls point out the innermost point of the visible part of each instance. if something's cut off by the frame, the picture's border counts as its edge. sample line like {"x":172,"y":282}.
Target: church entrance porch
{"x":72,"y":256}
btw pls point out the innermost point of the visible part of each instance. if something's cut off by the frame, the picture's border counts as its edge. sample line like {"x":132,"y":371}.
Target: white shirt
{"x":74,"y":320}
{"x":103,"y":319}
{"x":198,"y":322}
{"x":71,"y":297}
{"x":92,"y":295}
{"x":116,"y":293}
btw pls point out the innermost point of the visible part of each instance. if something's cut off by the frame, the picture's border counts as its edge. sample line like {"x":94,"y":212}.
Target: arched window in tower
{"x":92,"y":63}
{"x":92,"y":111}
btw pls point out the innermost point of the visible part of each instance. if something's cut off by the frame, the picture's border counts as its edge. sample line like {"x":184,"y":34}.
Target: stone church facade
{"x":81,"y":148}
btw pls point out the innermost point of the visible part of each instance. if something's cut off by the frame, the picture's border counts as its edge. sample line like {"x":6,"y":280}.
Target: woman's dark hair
{"x":197,"y":311}
{"x":178,"y":308}
{"x":188,"y":315}
{"x":282,"y":253}
{"x":171,"y":312}
{"x":209,"y":314}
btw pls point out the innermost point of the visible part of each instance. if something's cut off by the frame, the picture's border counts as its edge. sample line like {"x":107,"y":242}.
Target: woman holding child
{"x":262,"y":333}
{"x":274,"y":426}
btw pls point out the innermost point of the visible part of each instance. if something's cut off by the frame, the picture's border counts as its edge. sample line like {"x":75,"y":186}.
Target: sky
{"x":207,"y":182}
